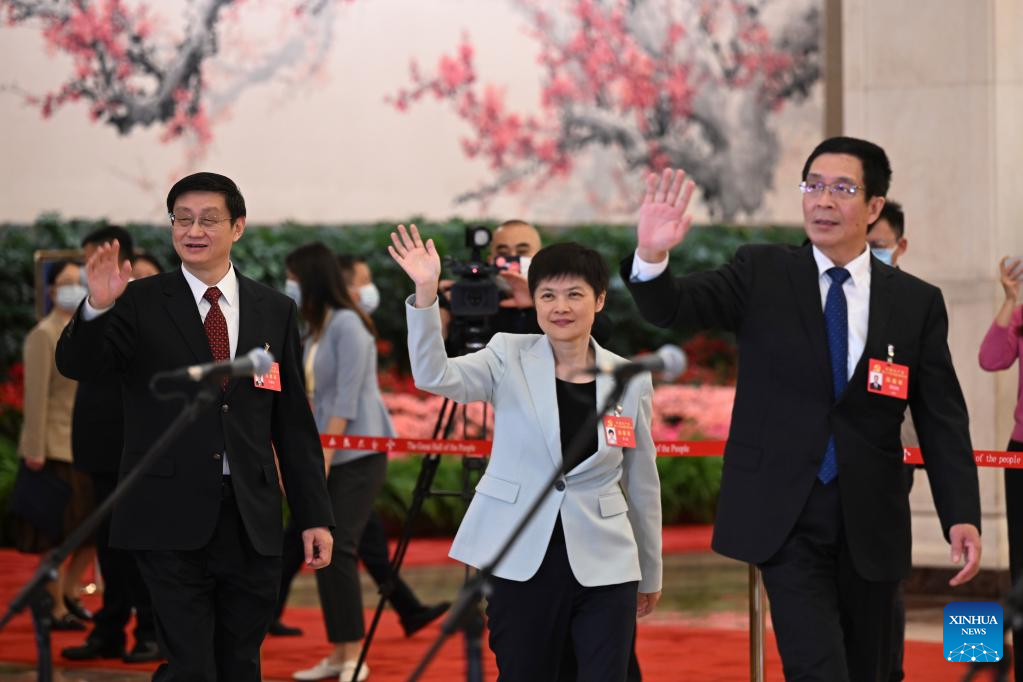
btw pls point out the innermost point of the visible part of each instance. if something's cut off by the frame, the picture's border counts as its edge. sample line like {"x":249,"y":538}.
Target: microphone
{"x":256,"y":361}
{"x":669,"y":361}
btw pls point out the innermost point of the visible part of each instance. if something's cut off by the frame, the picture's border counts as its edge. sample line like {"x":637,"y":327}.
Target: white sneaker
{"x":321,"y":671}
{"x":348,"y":667}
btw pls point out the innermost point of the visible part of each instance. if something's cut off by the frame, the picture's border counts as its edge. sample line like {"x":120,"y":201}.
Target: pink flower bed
{"x":692,"y":412}
{"x":680,"y":413}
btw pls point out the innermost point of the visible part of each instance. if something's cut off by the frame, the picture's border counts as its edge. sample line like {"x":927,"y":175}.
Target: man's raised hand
{"x":663,"y":222}
{"x":106,"y":275}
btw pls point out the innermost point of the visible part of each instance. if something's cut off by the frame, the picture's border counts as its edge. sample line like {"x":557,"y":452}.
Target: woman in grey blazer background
{"x":590,"y":560}
{"x":340,"y":360}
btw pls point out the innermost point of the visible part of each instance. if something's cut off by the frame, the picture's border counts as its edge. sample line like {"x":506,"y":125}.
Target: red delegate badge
{"x":888,"y":378}
{"x":619,"y":431}
{"x":271,"y":381}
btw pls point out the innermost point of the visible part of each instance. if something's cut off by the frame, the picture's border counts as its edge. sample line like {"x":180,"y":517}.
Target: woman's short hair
{"x":568,"y":259}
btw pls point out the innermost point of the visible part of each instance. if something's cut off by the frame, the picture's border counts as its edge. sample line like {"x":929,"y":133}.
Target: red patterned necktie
{"x":216,"y":329}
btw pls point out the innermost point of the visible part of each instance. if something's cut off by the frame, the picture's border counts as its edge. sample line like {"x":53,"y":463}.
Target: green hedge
{"x":689,"y":485}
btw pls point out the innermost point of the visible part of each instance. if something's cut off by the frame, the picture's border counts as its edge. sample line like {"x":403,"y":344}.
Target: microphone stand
{"x":465,"y":613}
{"x":34,"y":594}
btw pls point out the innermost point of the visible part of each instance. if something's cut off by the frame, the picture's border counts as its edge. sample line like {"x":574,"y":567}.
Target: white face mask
{"x":883,"y":255}
{"x":524,"y":262}
{"x":293,"y":291}
{"x":369,"y":298}
{"x":68,"y":296}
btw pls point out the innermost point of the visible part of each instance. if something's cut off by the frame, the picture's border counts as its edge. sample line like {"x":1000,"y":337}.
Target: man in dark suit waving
{"x":205,"y":519}
{"x":813,"y":490}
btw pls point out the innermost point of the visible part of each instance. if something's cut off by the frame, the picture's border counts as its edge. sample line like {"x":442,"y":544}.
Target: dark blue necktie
{"x":836,"y":321}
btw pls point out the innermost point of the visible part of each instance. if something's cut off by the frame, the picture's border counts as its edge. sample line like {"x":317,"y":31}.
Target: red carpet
{"x":667,"y":651}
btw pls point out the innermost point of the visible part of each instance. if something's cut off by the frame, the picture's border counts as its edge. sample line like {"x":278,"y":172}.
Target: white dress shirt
{"x":228,"y":302}
{"x":857,"y":299}
{"x":856,"y":288}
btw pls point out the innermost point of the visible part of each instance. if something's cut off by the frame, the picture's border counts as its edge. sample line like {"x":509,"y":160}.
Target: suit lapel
{"x":806,"y":292}
{"x":538,"y":368}
{"x":249,"y":324}
{"x":183,"y":312}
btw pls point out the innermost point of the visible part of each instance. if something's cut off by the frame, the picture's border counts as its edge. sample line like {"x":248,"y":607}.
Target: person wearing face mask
{"x":359,"y":280}
{"x":886,"y":236}
{"x":340,"y":366}
{"x":45,"y":443}
{"x":97,"y":438}
{"x":887,"y":241}
{"x":372,"y":548}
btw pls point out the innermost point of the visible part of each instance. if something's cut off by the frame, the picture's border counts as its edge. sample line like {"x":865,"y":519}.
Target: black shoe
{"x":143,"y":652}
{"x":423,"y":617}
{"x":75,"y":607}
{"x":67,"y":623}
{"x":279,"y":629}
{"x":93,"y":649}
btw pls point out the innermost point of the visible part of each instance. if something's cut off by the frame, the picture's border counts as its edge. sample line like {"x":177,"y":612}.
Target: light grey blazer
{"x":345,"y":371}
{"x":611,"y":505}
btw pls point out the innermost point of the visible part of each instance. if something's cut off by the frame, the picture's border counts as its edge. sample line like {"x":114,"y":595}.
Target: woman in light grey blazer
{"x":590,"y":561}
{"x":340,"y":360}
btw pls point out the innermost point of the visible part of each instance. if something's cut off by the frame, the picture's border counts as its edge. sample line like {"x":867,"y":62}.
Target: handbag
{"x":40,"y":498}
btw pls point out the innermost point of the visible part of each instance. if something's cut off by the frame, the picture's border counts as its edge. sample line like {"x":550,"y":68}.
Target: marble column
{"x":939,"y":84}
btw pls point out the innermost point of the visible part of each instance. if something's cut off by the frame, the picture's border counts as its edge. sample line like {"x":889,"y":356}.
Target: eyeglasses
{"x":838,"y":190}
{"x":186,"y":221}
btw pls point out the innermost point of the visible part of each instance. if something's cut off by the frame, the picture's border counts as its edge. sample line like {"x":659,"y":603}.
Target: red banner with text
{"x":670,"y":448}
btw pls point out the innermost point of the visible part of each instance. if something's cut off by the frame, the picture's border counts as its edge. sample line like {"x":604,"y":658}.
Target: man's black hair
{"x":209,"y":182}
{"x":877,"y":172}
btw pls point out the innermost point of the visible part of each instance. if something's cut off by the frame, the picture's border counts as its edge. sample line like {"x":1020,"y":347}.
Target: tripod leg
{"x":42,"y":620}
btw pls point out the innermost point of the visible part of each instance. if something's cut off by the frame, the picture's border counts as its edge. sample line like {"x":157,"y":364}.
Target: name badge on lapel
{"x":619,"y":431}
{"x":885,"y":377}
{"x":271,"y":381}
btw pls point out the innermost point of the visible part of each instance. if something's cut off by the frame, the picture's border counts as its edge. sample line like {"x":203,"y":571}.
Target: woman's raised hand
{"x":1009,"y":272}
{"x":420,"y":261}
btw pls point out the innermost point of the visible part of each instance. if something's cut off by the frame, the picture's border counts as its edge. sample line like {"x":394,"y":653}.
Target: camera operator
{"x":512,"y":247}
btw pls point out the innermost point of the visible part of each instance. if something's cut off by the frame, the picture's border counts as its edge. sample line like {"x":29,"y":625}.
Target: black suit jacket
{"x":97,"y":426}
{"x":155,"y":326}
{"x":784,"y":411}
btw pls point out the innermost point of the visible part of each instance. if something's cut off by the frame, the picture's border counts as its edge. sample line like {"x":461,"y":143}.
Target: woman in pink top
{"x":1004,"y":342}
{"x":1002,"y":345}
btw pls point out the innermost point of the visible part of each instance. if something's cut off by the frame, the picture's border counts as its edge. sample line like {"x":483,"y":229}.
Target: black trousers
{"x":213,"y":605}
{"x":1014,"y":519}
{"x":374,"y":554}
{"x":570,"y":668}
{"x":352,"y":488}
{"x":831,"y":624}
{"x":532,"y":623}
{"x":123,"y":588}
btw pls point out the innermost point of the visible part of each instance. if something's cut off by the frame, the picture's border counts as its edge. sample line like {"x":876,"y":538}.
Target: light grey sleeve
{"x":464,"y":379}
{"x":643,"y":490}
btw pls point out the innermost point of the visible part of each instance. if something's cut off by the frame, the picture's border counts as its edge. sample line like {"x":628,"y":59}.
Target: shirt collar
{"x":858,"y":267}
{"x":228,"y":286}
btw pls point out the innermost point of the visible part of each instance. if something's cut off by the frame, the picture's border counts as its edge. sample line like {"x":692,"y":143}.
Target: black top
{"x":576,"y":403}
